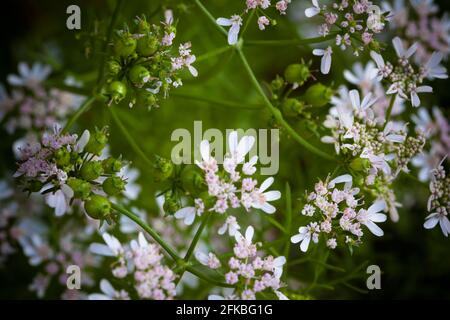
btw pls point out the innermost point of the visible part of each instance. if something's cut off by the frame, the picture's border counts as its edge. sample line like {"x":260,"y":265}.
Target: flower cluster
{"x":418,"y":22}
{"x":235,"y":22}
{"x":439,"y":201}
{"x":356,"y":23}
{"x":144,"y":66}
{"x":232,"y":187}
{"x":142,"y":262}
{"x":336,"y":216}
{"x":30,"y":106}
{"x":380,"y":148}
{"x":65,"y":167}
{"x":249,"y":273}
{"x":404,"y":79}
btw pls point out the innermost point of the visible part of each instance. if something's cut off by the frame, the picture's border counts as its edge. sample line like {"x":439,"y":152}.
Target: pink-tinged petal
{"x":398,"y":46}
{"x":431,"y":222}
{"x":272,"y":195}
{"x":266,"y":184}
{"x":305,"y":243}
{"x":377,"y":206}
{"x":224,"y":22}
{"x":376,"y":230}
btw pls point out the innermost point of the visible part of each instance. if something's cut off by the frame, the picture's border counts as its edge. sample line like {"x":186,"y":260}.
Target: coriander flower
{"x":260,"y":199}
{"x":234,"y":23}
{"x":325,"y":63}
{"x":305,"y":234}
{"x":314,"y":10}
{"x":370,"y":216}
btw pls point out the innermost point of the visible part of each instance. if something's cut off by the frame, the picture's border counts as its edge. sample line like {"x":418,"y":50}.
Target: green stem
{"x":215,"y":102}
{"x":197,"y":236}
{"x":200,"y":275}
{"x":212,"y":53}
{"x":86,"y":104}
{"x":210,"y":17}
{"x":288,"y":226}
{"x":149,"y":230}
{"x":290,"y":42}
{"x":129,"y":138}
{"x":277,"y":113}
{"x":108,"y":39}
{"x":389,"y":110}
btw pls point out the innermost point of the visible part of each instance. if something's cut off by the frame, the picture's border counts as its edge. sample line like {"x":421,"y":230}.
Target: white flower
{"x":210,"y":260}
{"x":433,"y":68}
{"x":188,"y":213}
{"x":235,"y":22}
{"x":231,"y":225}
{"x":362,"y":106}
{"x":415,"y":101}
{"x":278,"y":264}
{"x":260,"y":199}
{"x":314,"y":10}
{"x":432,"y":220}
{"x":325,"y":63}
{"x":30,"y":77}
{"x":108,"y":292}
{"x":305,"y":234}
{"x":113,"y":247}
{"x":345,"y":178}
{"x":59,"y":200}
{"x":280,"y":295}
{"x":370,"y":216}
{"x":400,"y":50}
{"x":239,"y":149}
{"x":248,"y":236}
{"x":263,"y":22}
{"x":208,"y":163}
{"x":249,"y":167}
{"x":381,"y":66}
{"x":362,"y":77}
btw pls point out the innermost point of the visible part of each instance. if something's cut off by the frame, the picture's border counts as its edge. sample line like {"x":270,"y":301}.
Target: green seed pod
{"x":297,"y":73}
{"x":146,"y":98}
{"x":138,"y":75}
{"x":292,"y":107}
{"x":117,"y":90}
{"x":318,"y":95}
{"x":97,"y":207}
{"x":81,"y":189}
{"x":191,"y":180}
{"x":208,"y":200}
{"x":277,"y":83}
{"x":147,"y":46}
{"x":360,"y":164}
{"x":91,"y":170}
{"x":162,"y":169}
{"x":113,"y":185}
{"x":75,"y":158}
{"x":112,"y":165}
{"x":113,"y":68}
{"x":171,"y":205}
{"x":62,"y":157}
{"x":97,"y":141}
{"x":124,"y":45}
{"x":142,"y":25}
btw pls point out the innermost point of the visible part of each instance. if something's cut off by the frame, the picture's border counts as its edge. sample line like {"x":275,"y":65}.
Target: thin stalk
{"x":200,"y":275}
{"x":288,"y":225}
{"x":213,"y":53}
{"x":290,"y":42}
{"x":129,"y":137}
{"x":210,"y":17}
{"x":389,"y":110}
{"x":218,"y":103}
{"x":197,"y":236}
{"x":86,"y":104}
{"x":149,"y":230}
{"x":277,"y":113}
{"x":108,"y":39}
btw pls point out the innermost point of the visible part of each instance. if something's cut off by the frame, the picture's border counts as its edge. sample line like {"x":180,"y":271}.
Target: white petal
{"x":272,"y":195}
{"x":249,"y":233}
{"x":305,"y":243}
{"x":377,"y":206}
{"x":204,"y":150}
{"x":311,"y":12}
{"x":107,"y":288}
{"x":233,"y":34}
{"x":376,"y":230}
{"x":224,"y":22}
{"x":398,"y":46}
{"x":431,"y":222}
{"x":266,"y":184}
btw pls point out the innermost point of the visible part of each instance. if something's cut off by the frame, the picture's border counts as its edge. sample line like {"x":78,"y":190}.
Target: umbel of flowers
{"x":251,"y":273}
{"x":353,"y":22}
{"x":338,"y":215}
{"x":144,"y":67}
{"x":141,"y":264}
{"x":230,"y":185}
{"x":66,"y":167}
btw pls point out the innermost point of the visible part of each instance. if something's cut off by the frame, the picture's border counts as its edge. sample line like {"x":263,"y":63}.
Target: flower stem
{"x":86,"y":104}
{"x":149,"y":230}
{"x":108,"y":39}
{"x":277,"y":113}
{"x":290,"y":42}
{"x":212,"y":53}
{"x":129,"y":138}
{"x":215,"y":102}
{"x":389,"y":110}
{"x":210,"y":17}
{"x":197,"y":236}
{"x":200,"y":275}
{"x":288,"y":226}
